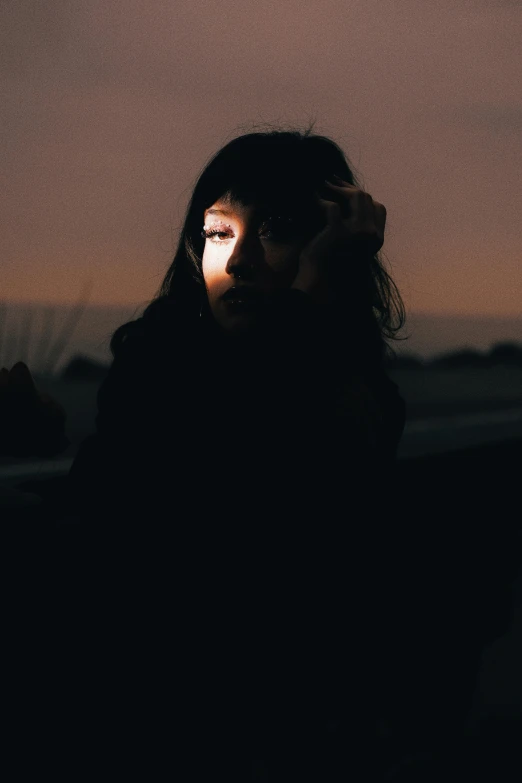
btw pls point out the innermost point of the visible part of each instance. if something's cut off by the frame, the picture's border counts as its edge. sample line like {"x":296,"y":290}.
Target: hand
{"x":31,"y":423}
{"x":354,"y":229}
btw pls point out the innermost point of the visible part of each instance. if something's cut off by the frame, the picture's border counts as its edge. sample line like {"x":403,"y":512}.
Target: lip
{"x":242,"y":296}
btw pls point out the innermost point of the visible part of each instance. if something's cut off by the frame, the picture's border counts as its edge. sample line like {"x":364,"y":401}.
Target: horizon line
{"x":144,"y":303}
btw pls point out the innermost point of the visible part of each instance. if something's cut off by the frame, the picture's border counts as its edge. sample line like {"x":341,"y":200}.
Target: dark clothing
{"x":239,"y":417}
{"x":239,"y":486}
{"x":252,"y":580}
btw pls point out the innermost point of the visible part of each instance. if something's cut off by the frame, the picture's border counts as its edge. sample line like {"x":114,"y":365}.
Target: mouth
{"x":242,"y":298}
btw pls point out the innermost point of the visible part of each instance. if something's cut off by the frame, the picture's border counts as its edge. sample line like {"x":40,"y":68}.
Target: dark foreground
{"x":447,"y":600}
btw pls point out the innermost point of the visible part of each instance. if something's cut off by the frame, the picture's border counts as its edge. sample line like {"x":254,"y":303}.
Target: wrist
{"x":312,"y":284}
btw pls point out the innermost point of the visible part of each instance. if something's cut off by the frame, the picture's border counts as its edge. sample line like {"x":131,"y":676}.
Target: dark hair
{"x":287,"y":166}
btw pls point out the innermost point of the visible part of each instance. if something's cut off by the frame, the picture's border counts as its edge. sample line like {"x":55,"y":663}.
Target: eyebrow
{"x":213,"y":211}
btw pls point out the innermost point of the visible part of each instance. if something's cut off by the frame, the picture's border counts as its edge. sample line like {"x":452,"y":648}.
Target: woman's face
{"x":250,"y":252}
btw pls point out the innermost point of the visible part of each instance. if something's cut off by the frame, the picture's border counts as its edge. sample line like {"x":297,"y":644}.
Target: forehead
{"x":228,"y":209}
{"x":282,"y":202}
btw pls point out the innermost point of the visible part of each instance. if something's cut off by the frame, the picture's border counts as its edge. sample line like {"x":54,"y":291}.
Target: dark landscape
{"x":457,"y":485}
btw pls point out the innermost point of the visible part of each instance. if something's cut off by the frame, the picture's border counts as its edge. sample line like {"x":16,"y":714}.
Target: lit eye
{"x":215,"y":234}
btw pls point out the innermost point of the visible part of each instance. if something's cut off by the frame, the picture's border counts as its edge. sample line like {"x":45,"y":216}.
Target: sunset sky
{"x":110,"y":109}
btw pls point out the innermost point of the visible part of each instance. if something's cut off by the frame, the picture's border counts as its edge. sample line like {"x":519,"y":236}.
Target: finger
{"x":373,"y":223}
{"x":355,"y":203}
{"x":380,"y":216}
{"x":337,"y":182}
{"x":352,"y":192}
{"x":367,"y":213}
{"x":367,"y":241}
{"x":365,"y":226}
{"x":331,"y":211}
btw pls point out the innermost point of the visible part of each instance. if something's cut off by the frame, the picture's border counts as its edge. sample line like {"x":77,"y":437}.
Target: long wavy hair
{"x":282,"y":167}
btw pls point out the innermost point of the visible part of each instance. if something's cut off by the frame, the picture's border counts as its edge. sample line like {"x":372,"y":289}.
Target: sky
{"x":111,"y":108}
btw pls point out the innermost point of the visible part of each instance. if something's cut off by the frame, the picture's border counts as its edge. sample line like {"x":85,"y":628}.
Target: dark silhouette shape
{"x":31,"y":423}
{"x":81,"y":368}
{"x":465,"y":357}
{"x":507,"y":354}
{"x":405,"y":361}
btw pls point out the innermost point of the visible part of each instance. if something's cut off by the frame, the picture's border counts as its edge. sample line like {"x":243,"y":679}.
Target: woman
{"x":248,"y":429}
{"x":285,"y":264}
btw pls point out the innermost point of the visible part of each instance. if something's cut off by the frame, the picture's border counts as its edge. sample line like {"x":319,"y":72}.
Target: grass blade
{"x":71,"y":322}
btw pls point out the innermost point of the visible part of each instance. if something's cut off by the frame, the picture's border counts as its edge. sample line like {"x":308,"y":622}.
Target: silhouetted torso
{"x":239,"y":487}
{"x":206,"y":418}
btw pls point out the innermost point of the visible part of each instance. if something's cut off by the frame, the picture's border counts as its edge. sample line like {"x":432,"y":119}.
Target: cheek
{"x":213,"y":265}
{"x":283,"y":261}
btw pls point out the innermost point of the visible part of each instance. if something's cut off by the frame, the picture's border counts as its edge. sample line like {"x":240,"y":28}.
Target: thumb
{"x":330,"y":210}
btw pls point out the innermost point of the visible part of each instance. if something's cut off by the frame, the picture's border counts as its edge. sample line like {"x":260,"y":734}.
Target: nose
{"x":244,"y":259}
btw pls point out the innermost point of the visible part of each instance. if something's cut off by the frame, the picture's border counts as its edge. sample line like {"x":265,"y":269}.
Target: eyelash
{"x":209,"y":233}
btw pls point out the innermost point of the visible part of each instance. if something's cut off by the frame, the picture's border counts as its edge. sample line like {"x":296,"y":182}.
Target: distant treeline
{"x":500,"y":354}
{"x":82,"y":368}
